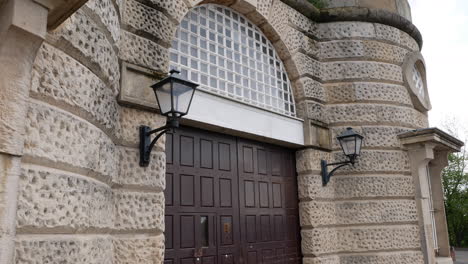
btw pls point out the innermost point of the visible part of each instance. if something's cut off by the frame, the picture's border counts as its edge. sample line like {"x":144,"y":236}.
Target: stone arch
{"x":272,"y":18}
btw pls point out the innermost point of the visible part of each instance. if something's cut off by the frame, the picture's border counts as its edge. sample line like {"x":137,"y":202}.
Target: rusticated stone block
{"x":177,"y":9}
{"x":58,"y":136}
{"x":344,"y":70}
{"x":109,"y":16}
{"x":315,"y":213}
{"x":305,"y":65}
{"x":339,"y":30}
{"x":353,"y":187}
{"x":359,"y":239}
{"x":362,"y":49}
{"x":277,"y":21}
{"x":302,"y":22}
{"x":309,"y":88}
{"x":378,"y":114}
{"x":58,"y":77}
{"x":81,"y":35}
{"x":141,"y":250}
{"x":309,"y":159}
{"x":130,"y":173}
{"x":143,"y":18}
{"x":312,"y":110}
{"x":137,"y":210}
{"x":396,"y":36}
{"x":130,"y":121}
{"x":375,"y":160}
{"x":376,"y":258}
{"x":143,"y":52}
{"x":57,"y":199}
{"x":54,"y":249}
{"x":374,"y":136}
{"x":296,"y":40}
{"x":362,"y":91}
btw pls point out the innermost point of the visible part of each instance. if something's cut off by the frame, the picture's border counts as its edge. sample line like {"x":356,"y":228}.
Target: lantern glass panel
{"x":348,"y":144}
{"x":358,"y":145}
{"x":182,"y":96}
{"x":163,"y":95}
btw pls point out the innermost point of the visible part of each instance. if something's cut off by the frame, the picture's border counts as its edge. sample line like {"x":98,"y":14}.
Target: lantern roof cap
{"x":349,"y":132}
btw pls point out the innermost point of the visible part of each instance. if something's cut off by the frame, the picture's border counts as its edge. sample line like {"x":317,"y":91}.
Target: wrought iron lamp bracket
{"x":146,"y":144}
{"x":327,"y":175}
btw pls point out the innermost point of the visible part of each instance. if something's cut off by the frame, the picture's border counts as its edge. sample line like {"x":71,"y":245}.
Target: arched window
{"x":229,"y":56}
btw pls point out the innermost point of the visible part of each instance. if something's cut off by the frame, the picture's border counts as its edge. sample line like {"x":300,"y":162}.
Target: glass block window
{"x":418,"y":80}
{"x":222,"y":51}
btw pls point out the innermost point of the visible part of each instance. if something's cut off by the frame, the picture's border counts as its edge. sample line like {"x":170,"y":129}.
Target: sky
{"x":444,"y":27}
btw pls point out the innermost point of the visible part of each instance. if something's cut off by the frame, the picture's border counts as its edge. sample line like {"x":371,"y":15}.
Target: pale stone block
{"x":316,"y":213}
{"x":362,"y":49}
{"x":356,"y":186}
{"x":311,"y":110}
{"x":376,"y":160}
{"x":338,"y":71}
{"x":244,"y":6}
{"x":130,"y":121}
{"x":339,"y":30}
{"x":403,"y":9}
{"x":59,"y":78}
{"x":359,"y":239}
{"x":142,"y":18}
{"x":61,"y":200}
{"x":130,"y":173}
{"x":139,"y":249}
{"x":309,"y":88}
{"x":396,"y":36}
{"x":143,"y":52}
{"x":306,"y":65}
{"x":177,"y":9}
{"x":388,"y":5}
{"x":277,"y":21}
{"x":109,"y":16}
{"x":374,"y":136}
{"x":378,"y":114}
{"x":367,"y":91}
{"x":60,"y":137}
{"x":375,"y":258}
{"x":263,"y":7}
{"x":309,"y":159}
{"x":302,"y":22}
{"x":81,"y":35}
{"x":55,"y":249}
{"x":139,"y":210}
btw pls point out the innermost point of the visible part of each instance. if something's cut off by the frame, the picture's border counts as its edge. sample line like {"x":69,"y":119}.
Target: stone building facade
{"x":74,"y":90}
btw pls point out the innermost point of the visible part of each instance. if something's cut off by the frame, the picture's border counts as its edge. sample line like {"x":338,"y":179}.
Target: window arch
{"x":229,"y":56}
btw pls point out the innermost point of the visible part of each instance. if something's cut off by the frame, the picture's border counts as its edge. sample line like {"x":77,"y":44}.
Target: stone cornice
{"x":441,"y":139}
{"x":363,"y":14}
{"x":60,"y":10}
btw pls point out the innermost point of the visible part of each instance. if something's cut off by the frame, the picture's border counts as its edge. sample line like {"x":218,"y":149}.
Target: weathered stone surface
{"x":142,"y":18}
{"x":375,"y":136}
{"x":395,"y":35}
{"x":60,"y":200}
{"x":309,"y":88}
{"x":139,"y":210}
{"x":82,"y":37}
{"x":339,"y":30}
{"x":312,"y":110}
{"x":130,"y":173}
{"x":58,"y":136}
{"x":177,"y":9}
{"x":378,"y":114}
{"x":366,"y":91}
{"x":143,"y":52}
{"x":362,"y":49}
{"x":316,"y":213}
{"x":60,"y":78}
{"x":338,"y":71}
{"x":359,"y":239}
{"x":376,"y":160}
{"x":376,"y":258}
{"x":356,"y":186}
{"x":130,"y":121}
{"x":141,"y":250}
{"x":298,"y":41}
{"x":53,"y":249}
{"x":305,"y":65}
{"x":109,"y":16}
{"x":277,"y":21}
{"x":309,"y":160}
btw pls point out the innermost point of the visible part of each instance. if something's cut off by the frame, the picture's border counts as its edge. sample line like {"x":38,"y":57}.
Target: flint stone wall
{"x":84,"y":199}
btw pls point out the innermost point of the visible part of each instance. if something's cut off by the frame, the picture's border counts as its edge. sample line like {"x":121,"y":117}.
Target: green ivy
{"x":319,"y":3}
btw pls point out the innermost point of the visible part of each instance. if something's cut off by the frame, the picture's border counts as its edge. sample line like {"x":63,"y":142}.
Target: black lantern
{"x":350,"y":143}
{"x":174,"y":97}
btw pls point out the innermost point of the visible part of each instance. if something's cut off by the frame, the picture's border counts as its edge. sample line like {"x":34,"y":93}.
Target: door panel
{"x":229,"y":201}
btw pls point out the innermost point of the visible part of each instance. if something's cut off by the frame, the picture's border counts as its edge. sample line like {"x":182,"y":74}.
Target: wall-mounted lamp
{"x":350,"y":143}
{"x":174,"y":97}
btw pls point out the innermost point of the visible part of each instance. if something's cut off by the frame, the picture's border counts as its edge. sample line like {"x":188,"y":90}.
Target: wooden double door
{"x":229,"y":201}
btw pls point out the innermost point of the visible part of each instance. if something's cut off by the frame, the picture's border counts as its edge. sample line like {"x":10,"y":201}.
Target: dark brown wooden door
{"x":229,"y":201}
